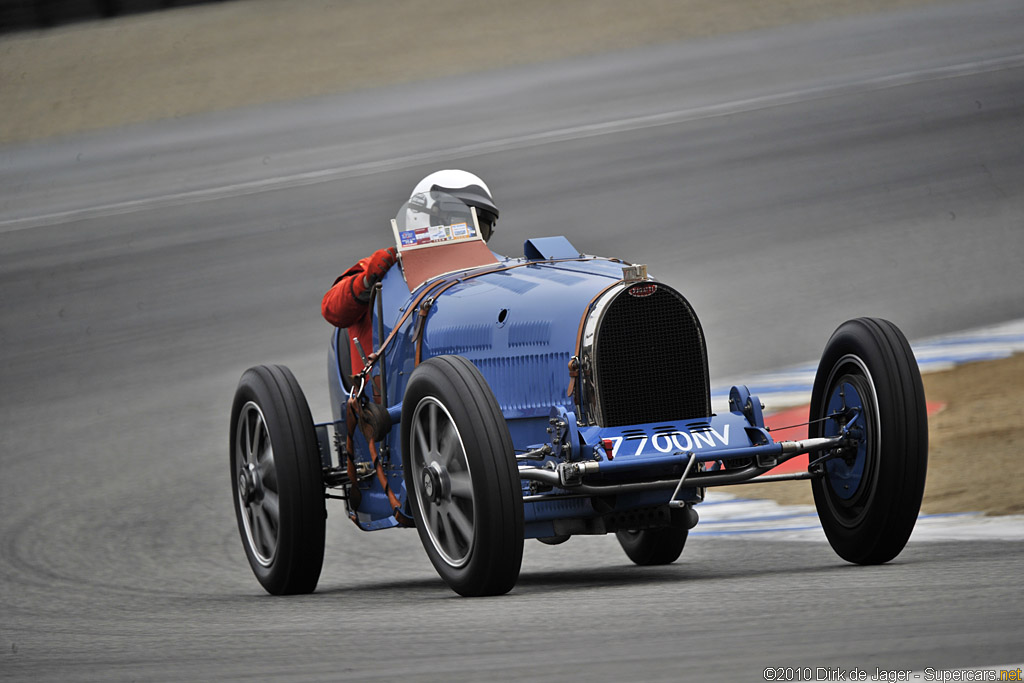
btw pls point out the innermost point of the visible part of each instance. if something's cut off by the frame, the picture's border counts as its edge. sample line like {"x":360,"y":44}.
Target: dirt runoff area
{"x":973,"y":451}
{"x":231,"y":54}
{"x":223,"y":55}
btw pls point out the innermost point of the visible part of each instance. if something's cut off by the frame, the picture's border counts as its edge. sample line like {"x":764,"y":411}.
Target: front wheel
{"x":869,"y":494}
{"x":649,"y":547}
{"x":277,"y":481}
{"x":462,"y":479}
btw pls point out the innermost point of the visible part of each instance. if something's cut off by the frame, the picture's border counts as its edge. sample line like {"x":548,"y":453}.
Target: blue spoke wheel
{"x":277,"y":481}
{"x":461,"y":477}
{"x":869,"y":493}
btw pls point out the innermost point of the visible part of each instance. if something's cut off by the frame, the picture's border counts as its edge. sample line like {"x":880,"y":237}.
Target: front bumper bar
{"x":598,"y":477}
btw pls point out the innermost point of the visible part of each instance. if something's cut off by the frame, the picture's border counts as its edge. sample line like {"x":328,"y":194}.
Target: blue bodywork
{"x":520,"y":327}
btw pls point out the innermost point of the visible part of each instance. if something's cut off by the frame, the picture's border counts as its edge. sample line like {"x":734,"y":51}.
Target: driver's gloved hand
{"x":381,"y":260}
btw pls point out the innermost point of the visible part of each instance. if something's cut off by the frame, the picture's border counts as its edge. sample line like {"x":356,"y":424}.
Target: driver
{"x":347,"y":302}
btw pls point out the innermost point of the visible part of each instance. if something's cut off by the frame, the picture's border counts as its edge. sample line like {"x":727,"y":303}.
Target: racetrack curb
{"x":791,"y":387}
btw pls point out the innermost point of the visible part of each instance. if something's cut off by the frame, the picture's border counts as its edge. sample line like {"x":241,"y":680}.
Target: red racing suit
{"x":347,"y":302}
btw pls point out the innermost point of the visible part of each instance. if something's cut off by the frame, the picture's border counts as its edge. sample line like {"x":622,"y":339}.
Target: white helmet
{"x":466,"y":187}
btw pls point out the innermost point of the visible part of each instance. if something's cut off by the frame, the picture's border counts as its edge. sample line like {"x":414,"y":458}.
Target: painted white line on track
{"x":524,"y":141}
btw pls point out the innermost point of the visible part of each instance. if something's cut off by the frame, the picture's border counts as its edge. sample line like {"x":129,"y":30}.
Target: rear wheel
{"x":461,"y":475}
{"x":648,"y":547}
{"x":869,"y":495}
{"x":277,"y":481}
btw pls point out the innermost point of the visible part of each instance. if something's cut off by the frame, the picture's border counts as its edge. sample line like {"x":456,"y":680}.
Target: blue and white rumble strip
{"x":792,"y":386}
{"x":723,"y":515}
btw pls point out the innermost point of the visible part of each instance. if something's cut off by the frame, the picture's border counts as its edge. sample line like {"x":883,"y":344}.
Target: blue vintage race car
{"x":548,"y":396}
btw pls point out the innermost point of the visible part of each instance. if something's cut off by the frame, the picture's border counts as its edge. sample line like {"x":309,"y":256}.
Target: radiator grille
{"x":650,"y":359}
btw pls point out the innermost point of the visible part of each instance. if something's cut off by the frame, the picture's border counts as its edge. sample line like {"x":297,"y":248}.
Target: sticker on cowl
{"x":436,"y":234}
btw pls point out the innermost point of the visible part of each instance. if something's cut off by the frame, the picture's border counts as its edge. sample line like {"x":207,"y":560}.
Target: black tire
{"x":649,"y":547}
{"x":461,"y":477}
{"x":868,"y":501}
{"x":284,"y":541}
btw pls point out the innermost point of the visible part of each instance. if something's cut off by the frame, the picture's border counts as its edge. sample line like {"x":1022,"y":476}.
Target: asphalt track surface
{"x":784,"y":180}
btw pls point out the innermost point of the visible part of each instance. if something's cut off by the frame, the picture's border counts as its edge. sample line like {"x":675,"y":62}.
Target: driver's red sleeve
{"x":340,"y":307}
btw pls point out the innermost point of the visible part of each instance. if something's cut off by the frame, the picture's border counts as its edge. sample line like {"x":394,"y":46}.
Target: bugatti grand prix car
{"x":549,"y":396}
